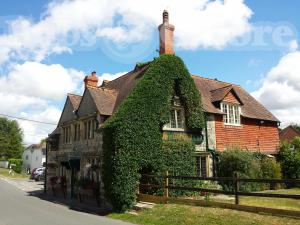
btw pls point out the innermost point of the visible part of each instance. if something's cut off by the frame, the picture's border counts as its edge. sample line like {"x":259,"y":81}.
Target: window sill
{"x":174,"y":129}
{"x":232,"y":125}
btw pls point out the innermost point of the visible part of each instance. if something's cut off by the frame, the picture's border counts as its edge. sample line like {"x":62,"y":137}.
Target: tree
{"x":289,"y":157}
{"x":11,"y":137}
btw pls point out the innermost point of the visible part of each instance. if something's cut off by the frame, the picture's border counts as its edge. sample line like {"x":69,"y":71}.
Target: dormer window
{"x":232,"y":113}
{"x":176,"y":116}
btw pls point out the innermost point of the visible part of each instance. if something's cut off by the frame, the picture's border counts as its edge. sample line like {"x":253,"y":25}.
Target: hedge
{"x":289,"y":157}
{"x":18,"y":164}
{"x":132,"y":137}
{"x":247,"y":165}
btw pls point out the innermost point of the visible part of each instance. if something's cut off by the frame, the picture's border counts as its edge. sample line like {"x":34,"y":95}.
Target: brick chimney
{"x":91,"y":80}
{"x":166,"y":33}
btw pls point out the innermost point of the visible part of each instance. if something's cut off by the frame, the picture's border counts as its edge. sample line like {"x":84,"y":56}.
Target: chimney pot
{"x":165,"y":16}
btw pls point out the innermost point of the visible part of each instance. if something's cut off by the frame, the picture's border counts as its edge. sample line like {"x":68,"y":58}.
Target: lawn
{"x":171,"y":214}
{"x":4,"y":173}
{"x":280,"y":203}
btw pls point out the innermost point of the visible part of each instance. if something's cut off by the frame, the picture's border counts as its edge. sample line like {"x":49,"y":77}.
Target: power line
{"x":25,"y":119}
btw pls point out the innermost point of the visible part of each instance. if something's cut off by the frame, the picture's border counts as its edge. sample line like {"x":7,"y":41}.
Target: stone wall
{"x":211,"y":134}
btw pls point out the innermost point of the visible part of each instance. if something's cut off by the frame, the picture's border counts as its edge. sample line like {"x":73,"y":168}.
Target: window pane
{"x":203,"y":167}
{"x":173,"y":119}
{"x":230,"y":114}
{"x":224,"y":110}
{"x":179,"y":119}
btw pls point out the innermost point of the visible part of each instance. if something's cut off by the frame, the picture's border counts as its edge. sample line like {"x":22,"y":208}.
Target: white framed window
{"x":232,"y":113}
{"x":176,"y":120}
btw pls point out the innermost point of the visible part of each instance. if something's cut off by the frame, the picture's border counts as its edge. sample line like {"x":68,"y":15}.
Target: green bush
{"x":132,"y":137}
{"x":18,"y":165}
{"x":247,"y":165}
{"x":289,"y":157}
{"x":179,"y":160}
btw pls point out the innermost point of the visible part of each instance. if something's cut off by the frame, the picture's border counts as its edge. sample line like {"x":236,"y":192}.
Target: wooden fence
{"x":236,"y":181}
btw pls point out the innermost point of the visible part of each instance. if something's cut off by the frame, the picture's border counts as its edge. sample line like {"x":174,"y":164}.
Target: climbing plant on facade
{"x":133,"y":135}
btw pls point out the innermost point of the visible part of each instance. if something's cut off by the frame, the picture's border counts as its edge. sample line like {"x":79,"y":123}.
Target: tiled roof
{"x":104,"y":99}
{"x":75,"y":100}
{"x":125,"y":84}
{"x":220,"y":93}
{"x":111,"y":95}
{"x":288,"y":134}
{"x":251,"y":108}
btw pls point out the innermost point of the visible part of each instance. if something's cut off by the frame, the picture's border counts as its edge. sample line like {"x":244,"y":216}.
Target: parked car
{"x":40,"y":176}
{"x":39,"y":173}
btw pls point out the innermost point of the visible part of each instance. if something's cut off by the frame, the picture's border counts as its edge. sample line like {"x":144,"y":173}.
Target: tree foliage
{"x":16,"y":165}
{"x":289,"y":157}
{"x":247,"y":165}
{"x":132,"y":137}
{"x":11,"y":138}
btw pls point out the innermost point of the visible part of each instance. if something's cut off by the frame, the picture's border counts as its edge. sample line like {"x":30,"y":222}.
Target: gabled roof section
{"x":75,"y":100}
{"x":251,"y":108}
{"x":104,"y":99}
{"x":71,"y":105}
{"x":220,"y":93}
{"x":289,"y":133}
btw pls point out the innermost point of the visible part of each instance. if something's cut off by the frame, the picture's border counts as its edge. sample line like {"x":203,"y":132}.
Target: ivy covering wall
{"x":132,"y":137}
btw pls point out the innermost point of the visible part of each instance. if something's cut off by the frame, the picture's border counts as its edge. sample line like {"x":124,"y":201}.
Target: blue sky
{"x":253,"y":65}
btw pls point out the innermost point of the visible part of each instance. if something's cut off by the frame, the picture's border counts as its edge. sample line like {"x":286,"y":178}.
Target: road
{"x":19,"y":208}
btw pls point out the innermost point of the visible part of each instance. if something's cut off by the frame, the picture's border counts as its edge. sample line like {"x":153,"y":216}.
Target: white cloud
{"x":11,"y":103}
{"x":199,"y":23}
{"x":33,"y":79}
{"x":31,"y":90}
{"x":280,"y":90}
{"x":293,"y":46}
{"x":34,"y":132}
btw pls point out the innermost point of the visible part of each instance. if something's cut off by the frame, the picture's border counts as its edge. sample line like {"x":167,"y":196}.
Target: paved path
{"x":19,"y":208}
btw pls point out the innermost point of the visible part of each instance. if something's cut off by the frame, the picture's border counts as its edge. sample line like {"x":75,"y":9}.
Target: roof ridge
{"x":102,"y":89}
{"x":222,"y":87}
{"x":214,"y":80}
{"x":136,"y":69}
{"x":122,"y":75}
{"x":292,"y":126}
{"x":74,"y":94}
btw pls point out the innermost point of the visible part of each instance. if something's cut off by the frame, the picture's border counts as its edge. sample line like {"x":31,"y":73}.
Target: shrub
{"x":132,"y":137}
{"x":289,"y":157}
{"x":270,"y":169}
{"x":18,"y":165}
{"x":247,"y":165}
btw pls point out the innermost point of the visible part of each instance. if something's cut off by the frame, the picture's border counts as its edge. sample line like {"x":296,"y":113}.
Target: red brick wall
{"x":231,"y":98}
{"x":250,"y":135}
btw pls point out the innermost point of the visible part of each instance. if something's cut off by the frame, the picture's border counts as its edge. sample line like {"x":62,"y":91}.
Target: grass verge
{"x":279,"y":203}
{"x":4,"y":173}
{"x":192,"y":215}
